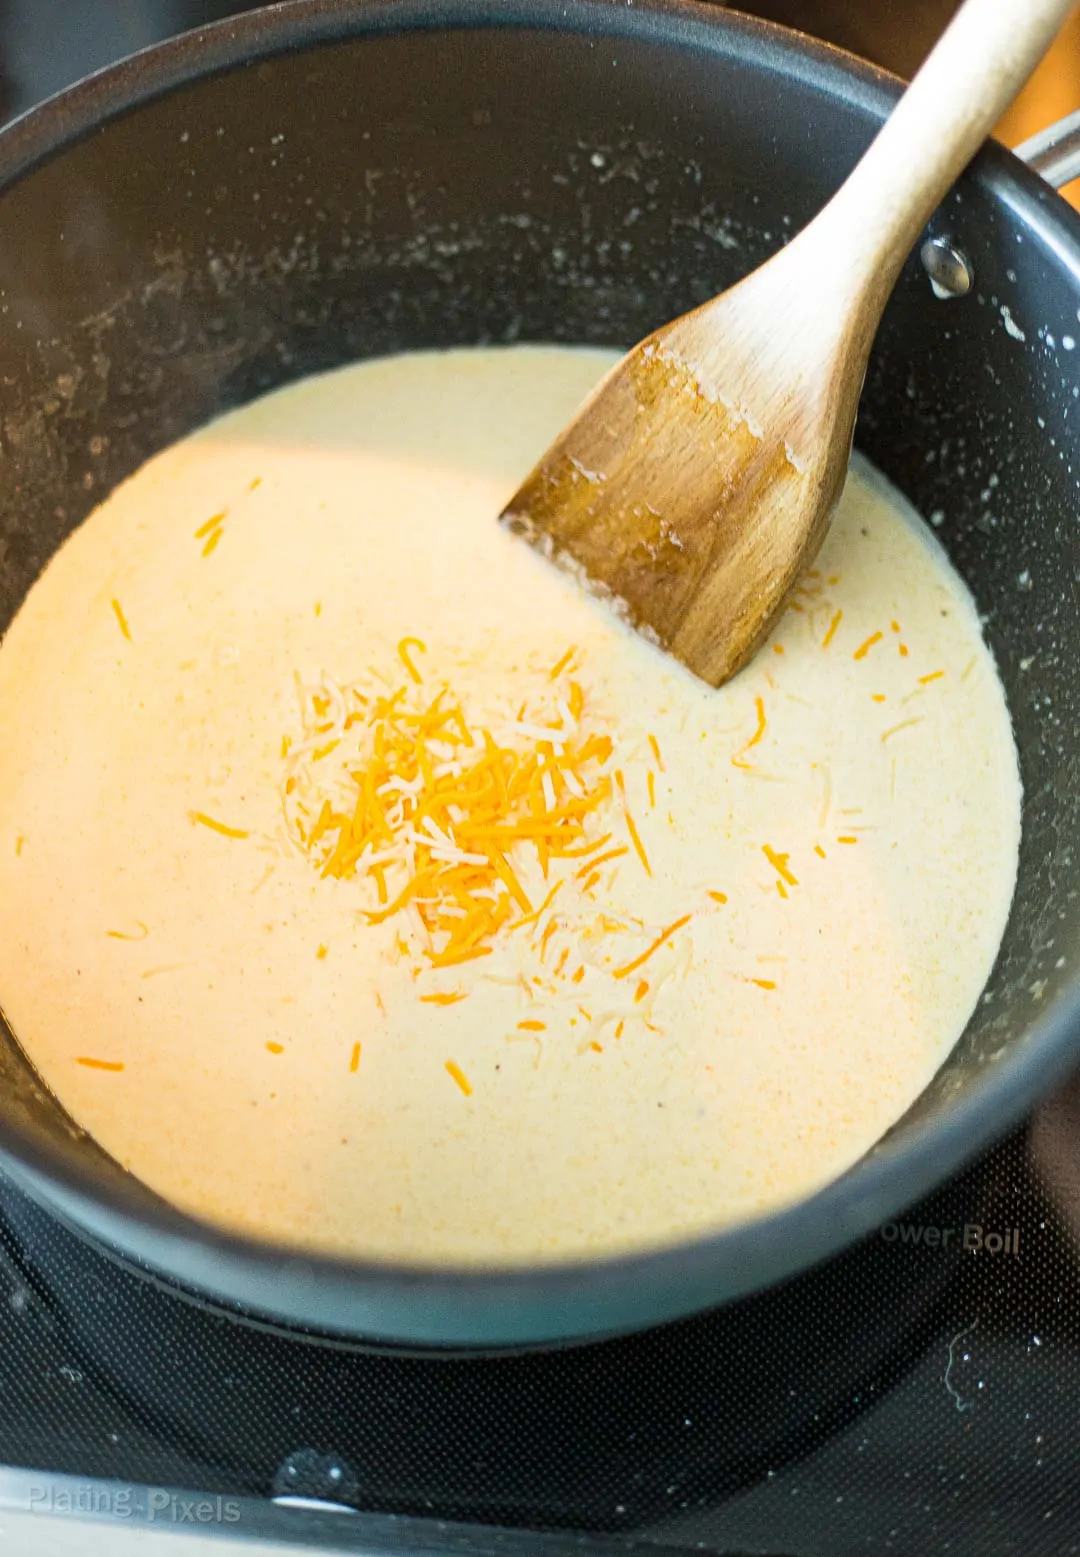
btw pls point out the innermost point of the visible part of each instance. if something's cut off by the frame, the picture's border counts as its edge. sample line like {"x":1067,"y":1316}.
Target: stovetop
{"x":919,"y":1394}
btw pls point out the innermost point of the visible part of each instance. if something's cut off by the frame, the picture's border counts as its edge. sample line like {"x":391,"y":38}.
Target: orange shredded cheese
{"x":597,"y":1048}
{"x":275,"y":1048}
{"x":546,"y":937}
{"x":213,"y":523}
{"x":354,"y":1057}
{"x":651,"y":786}
{"x":778,"y":648}
{"x":847,"y":838}
{"x":602,"y":859}
{"x":717,"y":897}
{"x":665,"y":935}
{"x":878,"y":697}
{"x":217,"y":827}
{"x":458,"y":1075}
{"x":579,"y":975}
{"x":635,"y":836}
{"x":641,"y":991}
{"x":532,"y":1026}
{"x":557,"y":669}
{"x":903,"y":651}
{"x":539,"y":912}
{"x":125,"y":935}
{"x":591,"y":848}
{"x":20,"y":840}
{"x":92,"y":1064}
{"x":654,"y":746}
{"x":831,"y":631}
{"x":779,"y":863}
{"x":322,"y":953}
{"x":935,"y":675}
{"x":764,"y":983}
{"x":451,"y":998}
{"x":780,"y":887}
{"x":212,"y":542}
{"x":819,"y":850}
{"x":895,"y":626}
{"x":864,"y":648}
{"x":435,"y":810}
{"x":452,"y":959}
{"x":737,"y":759}
{"x":403,"y":654}
{"x":122,"y":619}
{"x":620,"y":1029}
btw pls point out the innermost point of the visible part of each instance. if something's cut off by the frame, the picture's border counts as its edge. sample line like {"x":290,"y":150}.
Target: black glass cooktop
{"x":919,"y":1395}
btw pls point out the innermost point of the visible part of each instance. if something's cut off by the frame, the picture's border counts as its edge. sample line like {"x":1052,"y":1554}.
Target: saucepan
{"x":324,"y":181}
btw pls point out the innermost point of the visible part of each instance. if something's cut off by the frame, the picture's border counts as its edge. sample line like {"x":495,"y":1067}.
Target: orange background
{"x":1053,"y":91}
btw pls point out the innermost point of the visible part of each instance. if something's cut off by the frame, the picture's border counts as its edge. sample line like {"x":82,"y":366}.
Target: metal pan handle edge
{"x":1054,"y":153}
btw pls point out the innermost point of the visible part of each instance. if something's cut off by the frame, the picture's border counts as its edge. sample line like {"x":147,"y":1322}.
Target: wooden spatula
{"x":697,"y":482}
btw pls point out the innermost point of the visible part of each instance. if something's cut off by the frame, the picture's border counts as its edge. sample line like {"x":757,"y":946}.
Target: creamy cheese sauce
{"x":830,"y":842}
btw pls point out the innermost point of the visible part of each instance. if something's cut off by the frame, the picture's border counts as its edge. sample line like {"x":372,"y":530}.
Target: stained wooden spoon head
{"x":696,"y":483}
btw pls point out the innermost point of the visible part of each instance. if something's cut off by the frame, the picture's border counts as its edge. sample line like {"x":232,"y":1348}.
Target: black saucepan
{"x":324,"y":181}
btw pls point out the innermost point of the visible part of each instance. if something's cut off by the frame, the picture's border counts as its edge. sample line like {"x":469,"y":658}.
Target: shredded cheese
{"x":215,"y":826}
{"x":906,"y":724}
{"x":126,"y":935}
{"x":458,"y":1075}
{"x":436,"y":810}
{"x":635,"y":836}
{"x":831,"y":632}
{"x":665,"y":935}
{"x":779,"y":863}
{"x":122,"y":619}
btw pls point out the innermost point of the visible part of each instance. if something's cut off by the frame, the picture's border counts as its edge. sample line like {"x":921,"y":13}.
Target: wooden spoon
{"x":697,"y":481}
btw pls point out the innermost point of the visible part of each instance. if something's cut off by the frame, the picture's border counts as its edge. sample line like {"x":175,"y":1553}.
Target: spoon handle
{"x":979,"y":64}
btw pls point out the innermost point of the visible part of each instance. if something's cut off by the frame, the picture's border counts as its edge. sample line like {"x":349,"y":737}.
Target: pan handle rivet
{"x":948,"y":267}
